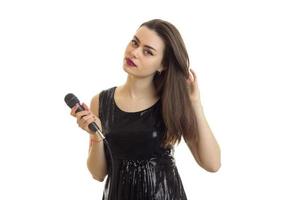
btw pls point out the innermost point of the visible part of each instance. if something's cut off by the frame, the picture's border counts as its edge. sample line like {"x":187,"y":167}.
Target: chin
{"x":125,"y":69}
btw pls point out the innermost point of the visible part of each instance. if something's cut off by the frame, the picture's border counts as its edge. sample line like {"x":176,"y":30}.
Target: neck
{"x":137,"y":89}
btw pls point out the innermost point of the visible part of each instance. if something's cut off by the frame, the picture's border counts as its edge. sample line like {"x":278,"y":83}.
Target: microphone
{"x":71,"y":100}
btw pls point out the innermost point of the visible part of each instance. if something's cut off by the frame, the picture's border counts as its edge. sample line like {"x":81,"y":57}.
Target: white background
{"x":246,"y":57}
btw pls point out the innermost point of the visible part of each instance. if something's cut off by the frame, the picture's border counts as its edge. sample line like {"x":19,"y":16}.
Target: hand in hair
{"x":194,"y":92}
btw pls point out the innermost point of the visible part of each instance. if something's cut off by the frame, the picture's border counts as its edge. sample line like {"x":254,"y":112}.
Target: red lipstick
{"x":130,"y":62}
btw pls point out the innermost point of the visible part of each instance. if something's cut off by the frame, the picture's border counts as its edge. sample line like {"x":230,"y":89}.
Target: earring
{"x":159,"y":72}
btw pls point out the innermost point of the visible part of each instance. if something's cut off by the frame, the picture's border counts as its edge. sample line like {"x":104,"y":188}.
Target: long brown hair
{"x":178,"y":113}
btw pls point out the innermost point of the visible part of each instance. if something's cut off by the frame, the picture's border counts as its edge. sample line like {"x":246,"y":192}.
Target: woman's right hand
{"x":85,"y":117}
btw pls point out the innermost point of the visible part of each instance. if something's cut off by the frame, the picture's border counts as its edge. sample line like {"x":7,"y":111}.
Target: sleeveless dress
{"x":143,"y":169}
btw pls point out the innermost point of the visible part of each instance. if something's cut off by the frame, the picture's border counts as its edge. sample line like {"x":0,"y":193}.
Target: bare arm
{"x":96,"y":161}
{"x":207,"y":151}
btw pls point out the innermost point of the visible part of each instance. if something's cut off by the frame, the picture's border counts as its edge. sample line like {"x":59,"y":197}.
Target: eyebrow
{"x":144,"y":45}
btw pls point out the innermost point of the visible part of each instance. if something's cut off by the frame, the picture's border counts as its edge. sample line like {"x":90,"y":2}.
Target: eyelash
{"x":134,"y":43}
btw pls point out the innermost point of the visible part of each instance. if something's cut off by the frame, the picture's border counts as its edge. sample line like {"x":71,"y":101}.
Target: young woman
{"x":145,"y":117}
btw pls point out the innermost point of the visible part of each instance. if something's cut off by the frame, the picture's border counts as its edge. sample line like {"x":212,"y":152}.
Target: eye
{"x":134,"y":43}
{"x":147,"y":52}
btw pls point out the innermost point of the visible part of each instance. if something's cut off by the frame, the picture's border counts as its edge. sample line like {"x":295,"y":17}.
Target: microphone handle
{"x":92,"y":126}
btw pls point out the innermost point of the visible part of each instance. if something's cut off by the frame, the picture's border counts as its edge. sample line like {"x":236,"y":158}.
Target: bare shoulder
{"x":95,"y":105}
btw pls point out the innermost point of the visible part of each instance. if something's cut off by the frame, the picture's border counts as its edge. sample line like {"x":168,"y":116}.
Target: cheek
{"x":152,"y":64}
{"x":157,"y":61}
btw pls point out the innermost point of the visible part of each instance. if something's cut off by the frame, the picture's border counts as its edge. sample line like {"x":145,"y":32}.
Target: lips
{"x":130,"y":62}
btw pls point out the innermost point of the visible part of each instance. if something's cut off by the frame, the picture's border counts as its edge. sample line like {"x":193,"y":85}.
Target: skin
{"x":206,"y":151}
{"x":138,"y":93}
{"x":139,"y":86}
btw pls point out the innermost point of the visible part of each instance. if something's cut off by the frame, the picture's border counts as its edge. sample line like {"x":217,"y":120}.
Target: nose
{"x":135,"y":52}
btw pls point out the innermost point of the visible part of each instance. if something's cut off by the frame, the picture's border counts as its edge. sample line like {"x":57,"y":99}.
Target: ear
{"x":162,"y":68}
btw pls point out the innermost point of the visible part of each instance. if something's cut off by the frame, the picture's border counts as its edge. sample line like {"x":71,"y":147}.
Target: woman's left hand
{"x":194,"y":92}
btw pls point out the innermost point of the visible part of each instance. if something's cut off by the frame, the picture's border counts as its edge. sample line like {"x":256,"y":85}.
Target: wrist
{"x":95,"y":137}
{"x":197,"y":104}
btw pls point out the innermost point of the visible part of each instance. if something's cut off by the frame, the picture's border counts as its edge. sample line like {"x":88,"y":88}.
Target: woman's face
{"x":145,"y":50}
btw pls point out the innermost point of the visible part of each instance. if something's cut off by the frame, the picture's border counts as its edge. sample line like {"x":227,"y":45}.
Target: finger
{"x":81,"y":122}
{"x":87,"y":117}
{"x":191,"y":77}
{"x":88,"y":121}
{"x":82,"y":113}
{"x":85,"y":106}
{"x":194,"y":74}
{"x":84,"y":118}
{"x":74,"y":108}
{"x":85,"y":124}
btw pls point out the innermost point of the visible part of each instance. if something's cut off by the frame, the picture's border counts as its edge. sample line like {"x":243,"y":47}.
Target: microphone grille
{"x":71,"y":100}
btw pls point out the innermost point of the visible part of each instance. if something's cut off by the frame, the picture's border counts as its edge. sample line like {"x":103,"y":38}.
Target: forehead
{"x":149,"y":37}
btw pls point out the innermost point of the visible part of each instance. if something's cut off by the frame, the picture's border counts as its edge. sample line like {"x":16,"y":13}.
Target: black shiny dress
{"x":143,"y":170}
